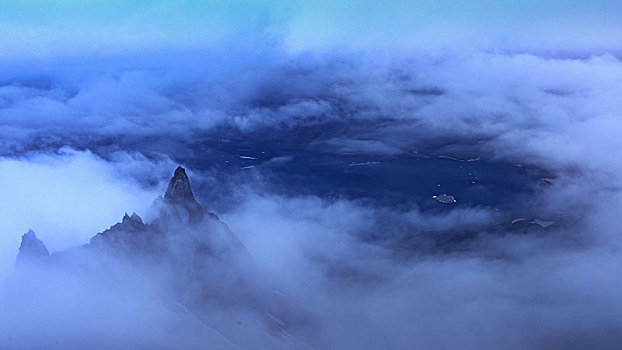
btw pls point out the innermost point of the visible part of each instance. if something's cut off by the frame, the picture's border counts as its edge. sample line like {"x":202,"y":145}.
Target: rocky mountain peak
{"x":133,"y":219}
{"x":179,"y":190}
{"x":179,"y":194}
{"x":32,"y":249}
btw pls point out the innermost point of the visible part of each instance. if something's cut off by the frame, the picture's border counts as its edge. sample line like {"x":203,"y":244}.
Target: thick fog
{"x":96,"y":115}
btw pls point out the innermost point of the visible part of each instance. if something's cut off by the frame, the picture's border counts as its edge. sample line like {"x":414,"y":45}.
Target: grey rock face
{"x":179,"y":193}
{"x":134,"y":219}
{"x":131,"y":235}
{"x":32,"y":250}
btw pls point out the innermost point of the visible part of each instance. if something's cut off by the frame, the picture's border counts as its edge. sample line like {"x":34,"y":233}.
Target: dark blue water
{"x":404,"y":180}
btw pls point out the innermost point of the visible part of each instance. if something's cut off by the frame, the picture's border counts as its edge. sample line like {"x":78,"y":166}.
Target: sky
{"x":100,"y":101}
{"x":77,"y":28}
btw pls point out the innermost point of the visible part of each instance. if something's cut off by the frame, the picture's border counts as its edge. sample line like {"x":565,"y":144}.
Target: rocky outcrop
{"x":182,"y":249}
{"x":179,"y":191}
{"x":131,"y":236}
{"x":179,"y":194}
{"x":32,"y":250}
{"x":180,"y":229}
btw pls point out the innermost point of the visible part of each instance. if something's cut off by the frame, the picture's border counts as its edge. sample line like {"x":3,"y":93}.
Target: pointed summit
{"x":134,"y":219}
{"x":32,"y":249}
{"x":180,"y":193}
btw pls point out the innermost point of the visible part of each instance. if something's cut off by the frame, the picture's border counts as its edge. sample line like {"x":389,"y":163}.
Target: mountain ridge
{"x":189,"y":252}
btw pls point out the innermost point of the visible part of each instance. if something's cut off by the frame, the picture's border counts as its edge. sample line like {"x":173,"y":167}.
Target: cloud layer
{"x":98,"y":107}
{"x":66,"y":198}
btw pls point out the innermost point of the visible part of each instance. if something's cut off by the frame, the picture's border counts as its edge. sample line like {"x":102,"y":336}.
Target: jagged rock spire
{"x":32,"y":249}
{"x":133,"y":219}
{"x":180,"y":193}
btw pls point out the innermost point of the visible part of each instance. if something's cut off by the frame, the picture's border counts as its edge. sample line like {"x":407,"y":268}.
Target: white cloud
{"x":65,"y":198}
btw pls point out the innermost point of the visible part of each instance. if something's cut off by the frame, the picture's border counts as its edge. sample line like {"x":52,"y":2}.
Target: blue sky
{"x":43,"y":28}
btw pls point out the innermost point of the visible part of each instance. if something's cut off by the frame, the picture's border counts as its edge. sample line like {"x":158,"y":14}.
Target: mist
{"x":318,"y":139}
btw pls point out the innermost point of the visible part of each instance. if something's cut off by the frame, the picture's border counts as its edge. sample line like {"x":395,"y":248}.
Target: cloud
{"x":400,"y":101}
{"x":66,"y":198}
{"x":104,"y":302}
{"x":97,"y":107}
{"x":475,"y":299}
